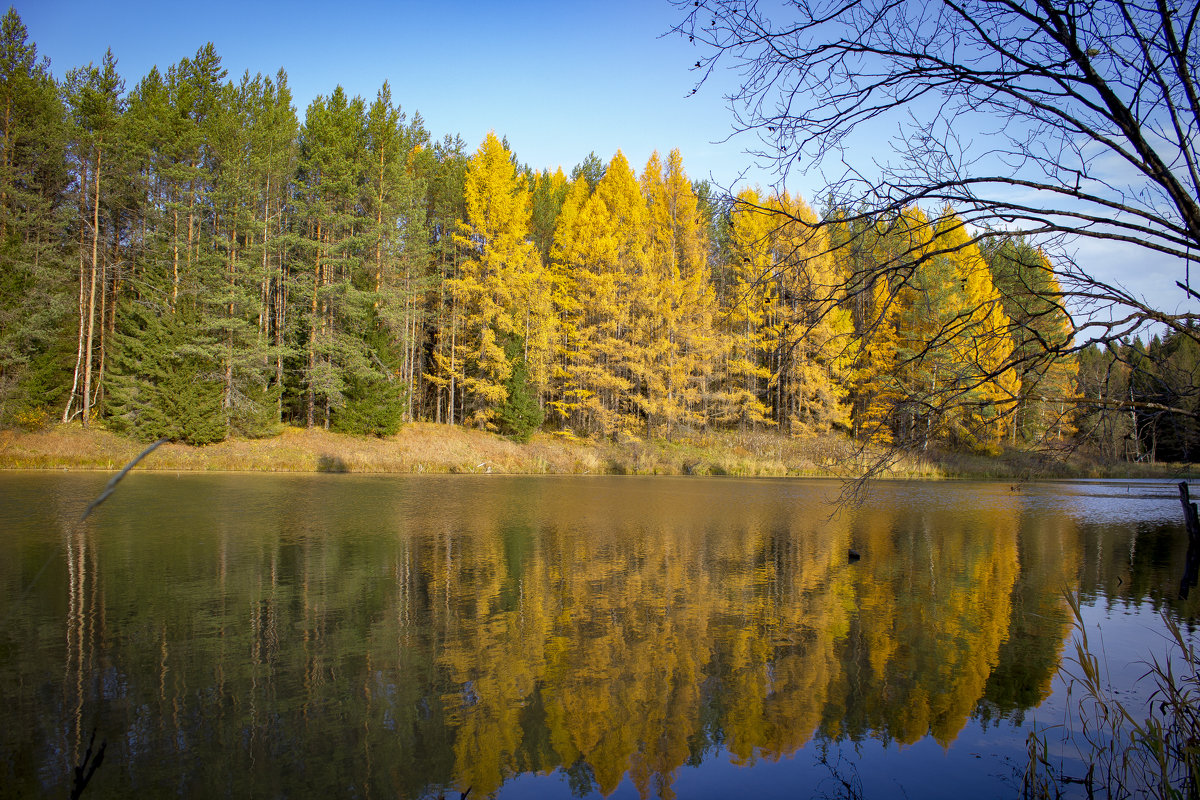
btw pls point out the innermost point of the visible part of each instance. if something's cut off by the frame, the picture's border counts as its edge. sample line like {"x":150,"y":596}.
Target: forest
{"x":191,"y":259}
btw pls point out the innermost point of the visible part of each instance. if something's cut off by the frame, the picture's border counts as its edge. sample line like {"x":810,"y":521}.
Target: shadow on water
{"x":335,"y":464}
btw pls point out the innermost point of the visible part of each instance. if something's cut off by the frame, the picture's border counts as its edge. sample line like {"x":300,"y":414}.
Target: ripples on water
{"x":237,"y":635}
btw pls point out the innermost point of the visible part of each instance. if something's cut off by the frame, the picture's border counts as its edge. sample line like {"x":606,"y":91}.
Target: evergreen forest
{"x":191,"y":257}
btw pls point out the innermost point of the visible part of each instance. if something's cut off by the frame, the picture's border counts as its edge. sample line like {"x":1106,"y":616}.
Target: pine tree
{"x":214,"y":160}
{"x":96,"y":103}
{"x":274,"y":154}
{"x":549,"y":193}
{"x":35,"y":295}
{"x":591,"y":169}
{"x":397,"y":251}
{"x":444,"y":168}
{"x":339,"y":296}
{"x":234,"y":300}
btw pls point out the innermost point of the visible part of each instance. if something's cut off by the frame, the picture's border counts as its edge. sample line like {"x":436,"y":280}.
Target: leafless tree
{"x":1054,"y":119}
{"x":1060,"y":121}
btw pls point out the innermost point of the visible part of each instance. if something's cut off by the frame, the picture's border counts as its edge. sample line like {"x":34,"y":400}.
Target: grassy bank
{"x":430,"y":448}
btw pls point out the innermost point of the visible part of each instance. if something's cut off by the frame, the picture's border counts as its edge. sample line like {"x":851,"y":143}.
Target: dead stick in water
{"x":1190,"y":517}
{"x":112,"y":484}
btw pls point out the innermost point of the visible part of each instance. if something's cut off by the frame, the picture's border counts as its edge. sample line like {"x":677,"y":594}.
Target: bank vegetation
{"x":431,"y":448}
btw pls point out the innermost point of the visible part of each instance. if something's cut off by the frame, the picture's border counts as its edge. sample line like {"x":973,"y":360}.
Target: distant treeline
{"x":188,"y":259}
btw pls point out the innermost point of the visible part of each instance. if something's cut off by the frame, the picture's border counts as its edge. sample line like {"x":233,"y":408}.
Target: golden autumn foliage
{"x":936,"y":366}
{"x":655,"y":313}
{"x":786,"y":323}
{"x":502,"y":289}
{"x":680,"y":300}
{"x":750,"y":297}
{"x":605,"y":253}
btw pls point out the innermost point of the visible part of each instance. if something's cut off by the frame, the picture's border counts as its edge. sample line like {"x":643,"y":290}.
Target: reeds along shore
{"x":432,"y":448}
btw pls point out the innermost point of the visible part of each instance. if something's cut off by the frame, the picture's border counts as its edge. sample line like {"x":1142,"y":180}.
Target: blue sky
{"x":559,"y":79}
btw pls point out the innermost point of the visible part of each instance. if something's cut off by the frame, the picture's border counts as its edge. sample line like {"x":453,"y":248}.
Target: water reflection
{"x":405,"y":636}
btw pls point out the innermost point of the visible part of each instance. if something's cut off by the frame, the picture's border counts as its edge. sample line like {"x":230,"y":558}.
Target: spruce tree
{"x":521,"y":414}
{"x":164,"y":381}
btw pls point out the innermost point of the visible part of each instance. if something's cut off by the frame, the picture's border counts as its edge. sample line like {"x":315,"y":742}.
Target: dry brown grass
{"x":420,"y":447}
{"x":67,"y":446}
{"x":431,"y":448}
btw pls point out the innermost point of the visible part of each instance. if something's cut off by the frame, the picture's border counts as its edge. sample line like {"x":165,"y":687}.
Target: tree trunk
{"x":175,"y":261}
{"x":91,"y":323}
{"x":311,"y":400}
{"x":82,"y":316}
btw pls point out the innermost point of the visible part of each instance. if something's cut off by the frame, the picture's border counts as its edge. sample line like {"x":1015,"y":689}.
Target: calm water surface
{"x":347,"y":636}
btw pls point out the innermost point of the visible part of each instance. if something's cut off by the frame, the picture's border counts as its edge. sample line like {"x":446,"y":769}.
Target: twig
{"x":85,"y":770}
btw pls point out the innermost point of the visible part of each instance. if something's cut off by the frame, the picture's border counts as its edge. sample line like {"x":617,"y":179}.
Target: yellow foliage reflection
{"x":468,"y":631}
{"x":629,"y":633}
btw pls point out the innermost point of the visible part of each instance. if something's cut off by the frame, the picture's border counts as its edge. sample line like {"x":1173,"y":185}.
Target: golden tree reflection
{"x":456,"y":634}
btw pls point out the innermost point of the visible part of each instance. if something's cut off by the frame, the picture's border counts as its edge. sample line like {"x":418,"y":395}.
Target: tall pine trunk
{"x":82,"y":305}
{"x":310,"y":404}
{"x":91,"y":323}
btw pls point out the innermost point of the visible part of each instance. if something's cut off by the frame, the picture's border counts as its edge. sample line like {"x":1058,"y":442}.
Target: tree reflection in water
{"x":412,"y":636}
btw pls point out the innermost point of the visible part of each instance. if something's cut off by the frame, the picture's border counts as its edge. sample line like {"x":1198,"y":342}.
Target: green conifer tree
{"x":36,"y":297}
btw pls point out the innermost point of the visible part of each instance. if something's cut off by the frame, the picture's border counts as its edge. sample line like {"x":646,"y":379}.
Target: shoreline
{"x":430,"y":448}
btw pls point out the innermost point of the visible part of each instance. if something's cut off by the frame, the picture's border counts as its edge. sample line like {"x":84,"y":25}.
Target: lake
{"x":241,"y":635}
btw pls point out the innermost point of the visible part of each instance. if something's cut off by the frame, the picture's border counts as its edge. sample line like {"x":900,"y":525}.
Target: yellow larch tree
{"x":814,"y":345}
{"x":982,"y":344}
{"x":877,"y":389}
{"x":750,"y":295}
{"x":954,"y":340}
{"x":862,"y":250}
{"x":930,"y":307}
{"x":673,"y":334}
{"x":607,"y":256}
{"x":565,"y":398}
{"x":502,"y":291}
